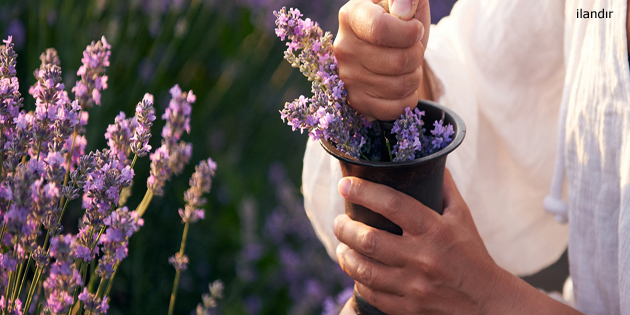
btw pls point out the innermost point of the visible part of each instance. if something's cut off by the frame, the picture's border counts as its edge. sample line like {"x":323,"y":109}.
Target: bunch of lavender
{"x":200,"y":184}
{"x":43,"y":168}
{"x":327,"y":114}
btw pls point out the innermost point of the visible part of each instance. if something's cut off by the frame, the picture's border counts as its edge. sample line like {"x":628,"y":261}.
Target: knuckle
{"x":364,"y":274}
{"x":420,"y":290}
{"x":430,"y":265}
{"x":344,"y":13}
{"x":369,"y":240}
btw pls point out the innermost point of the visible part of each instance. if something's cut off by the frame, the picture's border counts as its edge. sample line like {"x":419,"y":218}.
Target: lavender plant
{"x":305,"y":270}
{"x":209,"y":300}
{"x":200,"y":183}
{"x":327,"y":114}
{"x":43,"y":168}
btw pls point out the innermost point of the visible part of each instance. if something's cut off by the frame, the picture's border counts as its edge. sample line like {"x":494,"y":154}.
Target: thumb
{"x":403,"y":9}
{"x":408,"y":9}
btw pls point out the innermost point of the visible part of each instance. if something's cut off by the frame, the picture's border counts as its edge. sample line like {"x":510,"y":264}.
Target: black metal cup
{"x":421,"y":179}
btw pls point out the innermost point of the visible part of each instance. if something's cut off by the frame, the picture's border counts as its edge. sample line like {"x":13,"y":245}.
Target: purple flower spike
{"x":442,"y":135}
{"x":174,"y":154}
{"x":121,"y":224}
{"x":92,"y":72}
{"x":200,"y":183}
{"x":119,"y":136}
{"x":408,"y":130}
{"x":63,"y":277}
{"x":145,"y":115}
{"x":93,"y":304}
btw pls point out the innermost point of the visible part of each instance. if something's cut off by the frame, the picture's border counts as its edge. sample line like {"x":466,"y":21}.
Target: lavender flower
{"x":200,"y":183}
{"x":442,"y":135}
{"x":179,"y":261}
{"x":408,"y":130}
{"x":8,"y":59}
{"x":121,"y":224}
{"x":145,"y":115}
{"x":64,"y":277}
{"x":12,"y":139}
{"x":119,"y":135}
{"x":49,"y":57}
{"x":93,"y":304}
{"x":327,"y":114}
{"x":174,"y":154}
{"x":103,"y":186}
{"x":209,"y":300}
{"x":93,"y":79}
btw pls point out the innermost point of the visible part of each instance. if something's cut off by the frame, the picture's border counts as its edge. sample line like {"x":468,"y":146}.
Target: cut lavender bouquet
{"x":43,"y":167}
{"x":327,"y":114}
{"x":402,"y":154}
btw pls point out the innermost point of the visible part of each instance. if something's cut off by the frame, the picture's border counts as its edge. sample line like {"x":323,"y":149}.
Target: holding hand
{"x":438,"y":265}
{"x":380,"y":56}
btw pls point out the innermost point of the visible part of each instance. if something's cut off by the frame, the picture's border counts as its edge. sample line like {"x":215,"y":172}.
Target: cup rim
{"x":460,"y":127}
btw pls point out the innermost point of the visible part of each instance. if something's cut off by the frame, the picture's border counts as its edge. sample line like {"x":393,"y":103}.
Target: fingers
{"x":376,"y":244}
{"x":411,"y":215}
{"x":382,"y":86}
{"x":369,"y":272}
{"x":371,"y":23}
{"x":379,"y":59}
{"x":384,"y":301}
{"x":381,"y":82}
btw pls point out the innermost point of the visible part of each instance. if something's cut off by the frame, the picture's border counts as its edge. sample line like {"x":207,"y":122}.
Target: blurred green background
{"x":256,"y":237}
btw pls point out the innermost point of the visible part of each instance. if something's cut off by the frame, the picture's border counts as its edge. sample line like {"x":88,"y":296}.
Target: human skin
{"x":439,"y":265}
{"x":380,"y":56}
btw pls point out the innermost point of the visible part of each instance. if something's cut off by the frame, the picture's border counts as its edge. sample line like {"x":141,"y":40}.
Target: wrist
{"x":511,"y":295}
{"x":503,"y":293}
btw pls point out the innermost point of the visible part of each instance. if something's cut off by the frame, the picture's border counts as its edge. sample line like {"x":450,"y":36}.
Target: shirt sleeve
{"x":500,"y":66}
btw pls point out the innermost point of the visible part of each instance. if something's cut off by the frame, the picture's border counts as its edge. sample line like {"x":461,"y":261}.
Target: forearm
{"x":512,"y":295}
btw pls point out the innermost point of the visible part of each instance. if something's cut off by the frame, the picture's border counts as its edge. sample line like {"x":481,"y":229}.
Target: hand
{"x":380,"y":56}
{"x":439,"y":264}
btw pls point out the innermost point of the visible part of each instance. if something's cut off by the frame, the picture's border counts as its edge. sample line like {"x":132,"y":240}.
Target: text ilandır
{"x":601,"y":14}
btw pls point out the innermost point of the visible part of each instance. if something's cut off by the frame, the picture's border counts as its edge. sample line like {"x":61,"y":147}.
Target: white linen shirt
{"x":528,"y":77}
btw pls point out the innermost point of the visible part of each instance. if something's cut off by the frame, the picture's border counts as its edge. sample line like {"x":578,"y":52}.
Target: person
{"x":533,"y":80}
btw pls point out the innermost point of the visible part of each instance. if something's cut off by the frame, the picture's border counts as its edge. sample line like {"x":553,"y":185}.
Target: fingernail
{"x":344,"y":186}
{"x":335,"y":223}
{"x":420,"y":33}
{"x":400,"y":8}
